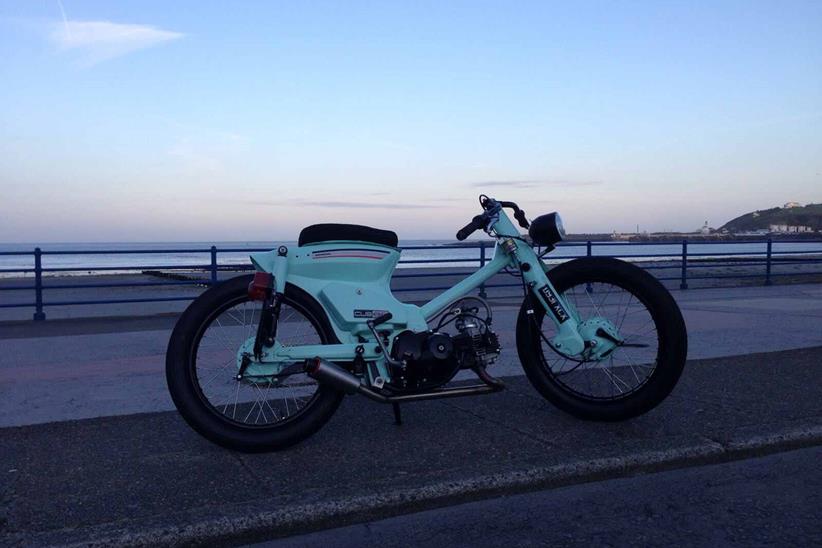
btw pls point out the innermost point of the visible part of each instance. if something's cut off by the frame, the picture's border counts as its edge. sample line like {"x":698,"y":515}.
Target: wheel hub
{"x":601,"y":338}
{"x":251,"y":371}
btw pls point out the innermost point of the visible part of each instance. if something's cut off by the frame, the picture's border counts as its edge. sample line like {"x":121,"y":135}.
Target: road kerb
{"x":335,"y":513}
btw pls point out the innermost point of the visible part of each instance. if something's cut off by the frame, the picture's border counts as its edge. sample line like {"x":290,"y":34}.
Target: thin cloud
{"x":343,"y":204}
{"x":96,"y":41}
{"x":534,"y":183}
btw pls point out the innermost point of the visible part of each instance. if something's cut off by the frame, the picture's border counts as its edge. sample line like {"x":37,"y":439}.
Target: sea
{"x":80,"y":259}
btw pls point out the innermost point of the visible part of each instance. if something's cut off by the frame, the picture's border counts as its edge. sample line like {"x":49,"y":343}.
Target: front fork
{"x":589,"y":339}
{"x":568,"y":339}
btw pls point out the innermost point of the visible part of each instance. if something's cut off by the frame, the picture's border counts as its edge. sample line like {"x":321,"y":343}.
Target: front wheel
{"x":638,"y":374}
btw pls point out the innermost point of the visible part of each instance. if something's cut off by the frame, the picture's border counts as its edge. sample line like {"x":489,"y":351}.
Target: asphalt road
{"x":65,"y":370}
{"x":148,"y":479}
{"x":774,"y":501}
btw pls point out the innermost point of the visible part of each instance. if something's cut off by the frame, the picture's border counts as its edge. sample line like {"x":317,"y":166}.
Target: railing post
{"x":588,"y":287}
{"x":39,"y":315}
{"x":482,"y":292}
{"x":684,"y":283}
{"x":213,"y":265}
{"x":768,"y":263}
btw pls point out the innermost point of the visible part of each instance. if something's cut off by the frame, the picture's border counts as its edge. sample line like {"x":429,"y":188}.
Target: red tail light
{"x":260,"y":286}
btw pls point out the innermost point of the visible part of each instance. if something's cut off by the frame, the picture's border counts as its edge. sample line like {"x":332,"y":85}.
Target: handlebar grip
{"x":475,"y":224}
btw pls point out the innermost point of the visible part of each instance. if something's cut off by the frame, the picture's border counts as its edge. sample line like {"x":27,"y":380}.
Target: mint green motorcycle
{"x":260,"y":362}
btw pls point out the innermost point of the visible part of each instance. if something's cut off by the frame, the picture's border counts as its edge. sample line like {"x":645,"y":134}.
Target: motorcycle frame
{"x":510,"y":251}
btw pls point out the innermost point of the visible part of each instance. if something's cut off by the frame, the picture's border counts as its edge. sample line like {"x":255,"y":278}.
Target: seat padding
{"x":331,"y":231}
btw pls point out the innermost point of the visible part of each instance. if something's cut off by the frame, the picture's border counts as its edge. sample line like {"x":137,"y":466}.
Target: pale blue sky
{"x":135,"y":121}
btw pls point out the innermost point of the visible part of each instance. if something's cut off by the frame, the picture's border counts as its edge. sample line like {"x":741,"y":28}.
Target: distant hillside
{"x":809,"y":215}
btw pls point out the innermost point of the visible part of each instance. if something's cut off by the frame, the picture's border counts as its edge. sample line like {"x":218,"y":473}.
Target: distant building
{"x":705,"y":230}
{"x":789,"y":229}
{"x":790,"y":205}
{"x":621,"y":236}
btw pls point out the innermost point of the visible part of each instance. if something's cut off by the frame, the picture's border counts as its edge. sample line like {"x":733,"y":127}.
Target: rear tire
{"x":202,"y":415}
{"x":670,"y":333}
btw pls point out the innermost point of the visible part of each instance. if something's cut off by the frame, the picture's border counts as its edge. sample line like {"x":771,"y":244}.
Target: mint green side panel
{"x":351,"y":281}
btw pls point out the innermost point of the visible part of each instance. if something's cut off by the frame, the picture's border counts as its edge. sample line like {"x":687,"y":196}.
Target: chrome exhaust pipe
{"x":330,"y":373}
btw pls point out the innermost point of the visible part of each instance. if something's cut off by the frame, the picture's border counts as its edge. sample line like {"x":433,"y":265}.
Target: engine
{"x":476,"y":346}
{"x":433,"y":358}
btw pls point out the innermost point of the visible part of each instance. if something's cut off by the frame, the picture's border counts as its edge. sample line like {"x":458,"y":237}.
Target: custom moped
{"x":260,"y":362}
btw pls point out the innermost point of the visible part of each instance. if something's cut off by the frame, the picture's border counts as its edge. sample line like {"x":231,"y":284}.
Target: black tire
{"x":671,"y":338}
{"x":181,"y":374}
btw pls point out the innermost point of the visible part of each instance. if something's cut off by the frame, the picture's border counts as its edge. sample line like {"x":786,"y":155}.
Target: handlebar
{"x":519,"y":214}
{"x":491,"y":206}
{"x":475,"y":224}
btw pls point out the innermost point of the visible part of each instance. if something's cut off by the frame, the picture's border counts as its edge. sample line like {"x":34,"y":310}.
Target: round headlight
{"x":560,"y":226}
{"x":547,"y":229}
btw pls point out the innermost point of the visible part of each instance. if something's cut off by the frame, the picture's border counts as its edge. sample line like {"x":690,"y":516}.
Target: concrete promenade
{"x":130,"y":472}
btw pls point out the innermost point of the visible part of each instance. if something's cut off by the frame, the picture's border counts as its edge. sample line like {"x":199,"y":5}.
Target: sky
{"x":200,"y":121}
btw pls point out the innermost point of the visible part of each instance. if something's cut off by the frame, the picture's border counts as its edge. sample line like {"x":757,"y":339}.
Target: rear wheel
{"x":249,"y":415}
{"x":632,"y":379}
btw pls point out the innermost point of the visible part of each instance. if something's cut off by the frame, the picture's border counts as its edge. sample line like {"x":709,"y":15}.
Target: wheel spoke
{"x":255,"y":400}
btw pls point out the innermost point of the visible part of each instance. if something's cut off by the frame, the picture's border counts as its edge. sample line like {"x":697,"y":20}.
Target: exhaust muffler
{"x":330,"y":373}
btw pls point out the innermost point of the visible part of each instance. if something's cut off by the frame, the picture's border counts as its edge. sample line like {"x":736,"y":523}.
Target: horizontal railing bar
{"x":699,"y":242}
{"x":128,"y":284}
{"x":437,"y":261}
{"x":246,"y":249}
{"x":121,"y":251}
{"x":409,"y":261}
{"x":469,"y":245}
{"x":796,"y":252}
{"x":431,"y":274}
{"x":118,"y":301}
{"x":641,"y":256}
{"x":129,"y":267}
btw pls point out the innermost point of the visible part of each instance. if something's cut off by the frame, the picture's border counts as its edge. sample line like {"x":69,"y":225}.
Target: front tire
{"x":565,"y":385}
{"x":191,"y":384}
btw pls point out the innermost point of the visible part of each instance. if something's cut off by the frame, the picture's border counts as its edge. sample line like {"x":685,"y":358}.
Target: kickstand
{"x":397,"y":414}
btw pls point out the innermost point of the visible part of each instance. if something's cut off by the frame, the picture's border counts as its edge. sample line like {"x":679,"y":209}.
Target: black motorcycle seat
{"x":325,"y":232}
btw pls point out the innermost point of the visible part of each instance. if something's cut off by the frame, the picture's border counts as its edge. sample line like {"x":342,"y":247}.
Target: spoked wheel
{"x":632,"y":378}
{"x":255,"y":412}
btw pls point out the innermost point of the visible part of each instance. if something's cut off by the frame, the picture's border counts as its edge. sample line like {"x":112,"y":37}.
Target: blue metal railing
{"x":683,"y":260}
